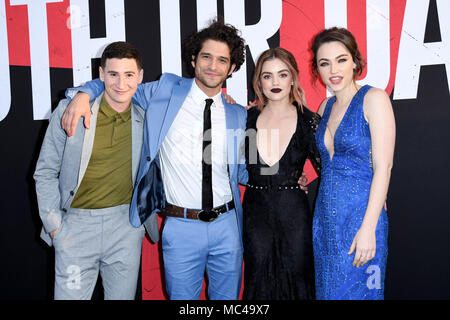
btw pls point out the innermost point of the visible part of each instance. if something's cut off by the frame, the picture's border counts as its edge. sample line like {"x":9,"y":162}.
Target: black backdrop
{"x":418,"y":200}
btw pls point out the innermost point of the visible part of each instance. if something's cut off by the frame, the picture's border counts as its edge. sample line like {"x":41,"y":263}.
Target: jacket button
{"x":64,"y":210}
{"x":71,"y":193}
{"x":148,"y":158}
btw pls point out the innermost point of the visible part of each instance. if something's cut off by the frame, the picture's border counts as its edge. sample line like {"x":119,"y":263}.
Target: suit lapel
{"x":231,"y":125}
{"x":177,"y":98}
{"x":137,"y":123}
{"x":88,"y":141}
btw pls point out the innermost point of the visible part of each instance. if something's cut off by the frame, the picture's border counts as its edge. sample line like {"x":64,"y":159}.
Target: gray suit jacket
{"x":63,"y":161}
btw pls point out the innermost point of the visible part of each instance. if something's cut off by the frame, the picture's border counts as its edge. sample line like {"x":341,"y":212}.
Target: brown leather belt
{"x":203,"y":215}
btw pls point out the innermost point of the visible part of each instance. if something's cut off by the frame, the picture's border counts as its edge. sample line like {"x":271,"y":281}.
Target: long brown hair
{"x":343,"y":36}
{"x":297,"y":94}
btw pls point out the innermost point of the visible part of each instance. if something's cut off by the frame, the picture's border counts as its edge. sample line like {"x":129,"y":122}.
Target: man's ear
{"x":141,"y":76}
{"x":193,"y":62}
{"x":101,"y":73}
{"x":233,"y":66}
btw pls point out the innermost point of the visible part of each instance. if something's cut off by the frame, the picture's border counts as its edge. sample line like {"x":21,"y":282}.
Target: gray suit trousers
{"x":93,"y":241}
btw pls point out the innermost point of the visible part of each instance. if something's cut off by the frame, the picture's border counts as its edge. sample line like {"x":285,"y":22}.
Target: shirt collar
{"x":199,"y":96}
{"x":109,"y":112}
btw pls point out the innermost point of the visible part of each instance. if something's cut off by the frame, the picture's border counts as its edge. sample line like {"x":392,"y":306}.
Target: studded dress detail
{"x":277,"y":236}
{"x":340,"y":208}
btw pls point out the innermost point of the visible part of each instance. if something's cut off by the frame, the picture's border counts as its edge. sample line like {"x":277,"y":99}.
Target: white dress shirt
{"x":182,"y":149}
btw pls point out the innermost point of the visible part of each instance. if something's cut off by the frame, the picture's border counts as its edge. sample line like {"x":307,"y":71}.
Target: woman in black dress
{"x":278,"y":250}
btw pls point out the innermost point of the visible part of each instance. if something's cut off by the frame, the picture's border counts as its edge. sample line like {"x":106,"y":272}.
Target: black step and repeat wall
{"x":49,"y":45}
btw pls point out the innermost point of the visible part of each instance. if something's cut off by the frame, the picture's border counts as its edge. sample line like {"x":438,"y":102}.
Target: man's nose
{"x":213,"y":64}
{"x":121,"y":81}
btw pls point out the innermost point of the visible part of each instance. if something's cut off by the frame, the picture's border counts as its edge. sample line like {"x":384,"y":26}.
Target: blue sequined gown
{"x":340,"y":207}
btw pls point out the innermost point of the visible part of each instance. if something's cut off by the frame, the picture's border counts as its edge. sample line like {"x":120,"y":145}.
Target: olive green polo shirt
{"x":107,"y":181}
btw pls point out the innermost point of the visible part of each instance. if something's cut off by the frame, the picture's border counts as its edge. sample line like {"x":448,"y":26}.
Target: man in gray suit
{"x":84,"y":185}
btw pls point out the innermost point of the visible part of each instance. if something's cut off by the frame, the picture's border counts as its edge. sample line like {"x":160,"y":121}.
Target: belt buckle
{"x":207,"y":215}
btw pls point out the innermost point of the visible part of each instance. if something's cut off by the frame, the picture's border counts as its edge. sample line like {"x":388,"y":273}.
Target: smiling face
{"x":276,"y":80}
{"x":212,"y":66}
{"x":121,"y":78}
{"x":335,"y":65}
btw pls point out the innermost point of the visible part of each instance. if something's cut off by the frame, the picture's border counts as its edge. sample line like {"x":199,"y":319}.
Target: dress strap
{"x":327,"y":111}
{"x":252,"y":117}
{"x":358,"y":100}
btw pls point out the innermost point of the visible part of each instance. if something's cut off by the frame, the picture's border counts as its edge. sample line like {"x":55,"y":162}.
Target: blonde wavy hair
{"x":297,"y":94}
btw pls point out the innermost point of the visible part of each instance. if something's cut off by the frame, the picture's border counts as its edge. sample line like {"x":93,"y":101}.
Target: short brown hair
{"x":121,"y":50}
{"x":343,"y":36}
{"x":297,"y":94}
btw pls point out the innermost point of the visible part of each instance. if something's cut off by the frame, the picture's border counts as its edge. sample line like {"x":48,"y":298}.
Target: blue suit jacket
{"x":162,"y":100}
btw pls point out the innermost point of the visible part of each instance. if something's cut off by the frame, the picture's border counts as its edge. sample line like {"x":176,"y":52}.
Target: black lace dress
{"x":278,"y":250}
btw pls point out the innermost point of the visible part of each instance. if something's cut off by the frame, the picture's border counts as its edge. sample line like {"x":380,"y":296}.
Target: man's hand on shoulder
{"x":77,"y":108}
{"x":229,"y":99}
{"x":252,"y":104}
{"x":52,"y":234}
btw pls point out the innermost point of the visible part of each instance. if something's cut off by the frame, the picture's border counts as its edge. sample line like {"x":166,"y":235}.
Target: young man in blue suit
{"x":180,"y":164}
{"x":84,"y":185}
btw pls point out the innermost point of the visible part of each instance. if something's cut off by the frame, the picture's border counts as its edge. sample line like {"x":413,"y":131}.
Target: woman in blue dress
{"x":355,"y":138}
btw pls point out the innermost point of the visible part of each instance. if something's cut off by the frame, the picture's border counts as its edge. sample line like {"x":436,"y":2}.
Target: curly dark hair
{"x":218,"y":31}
